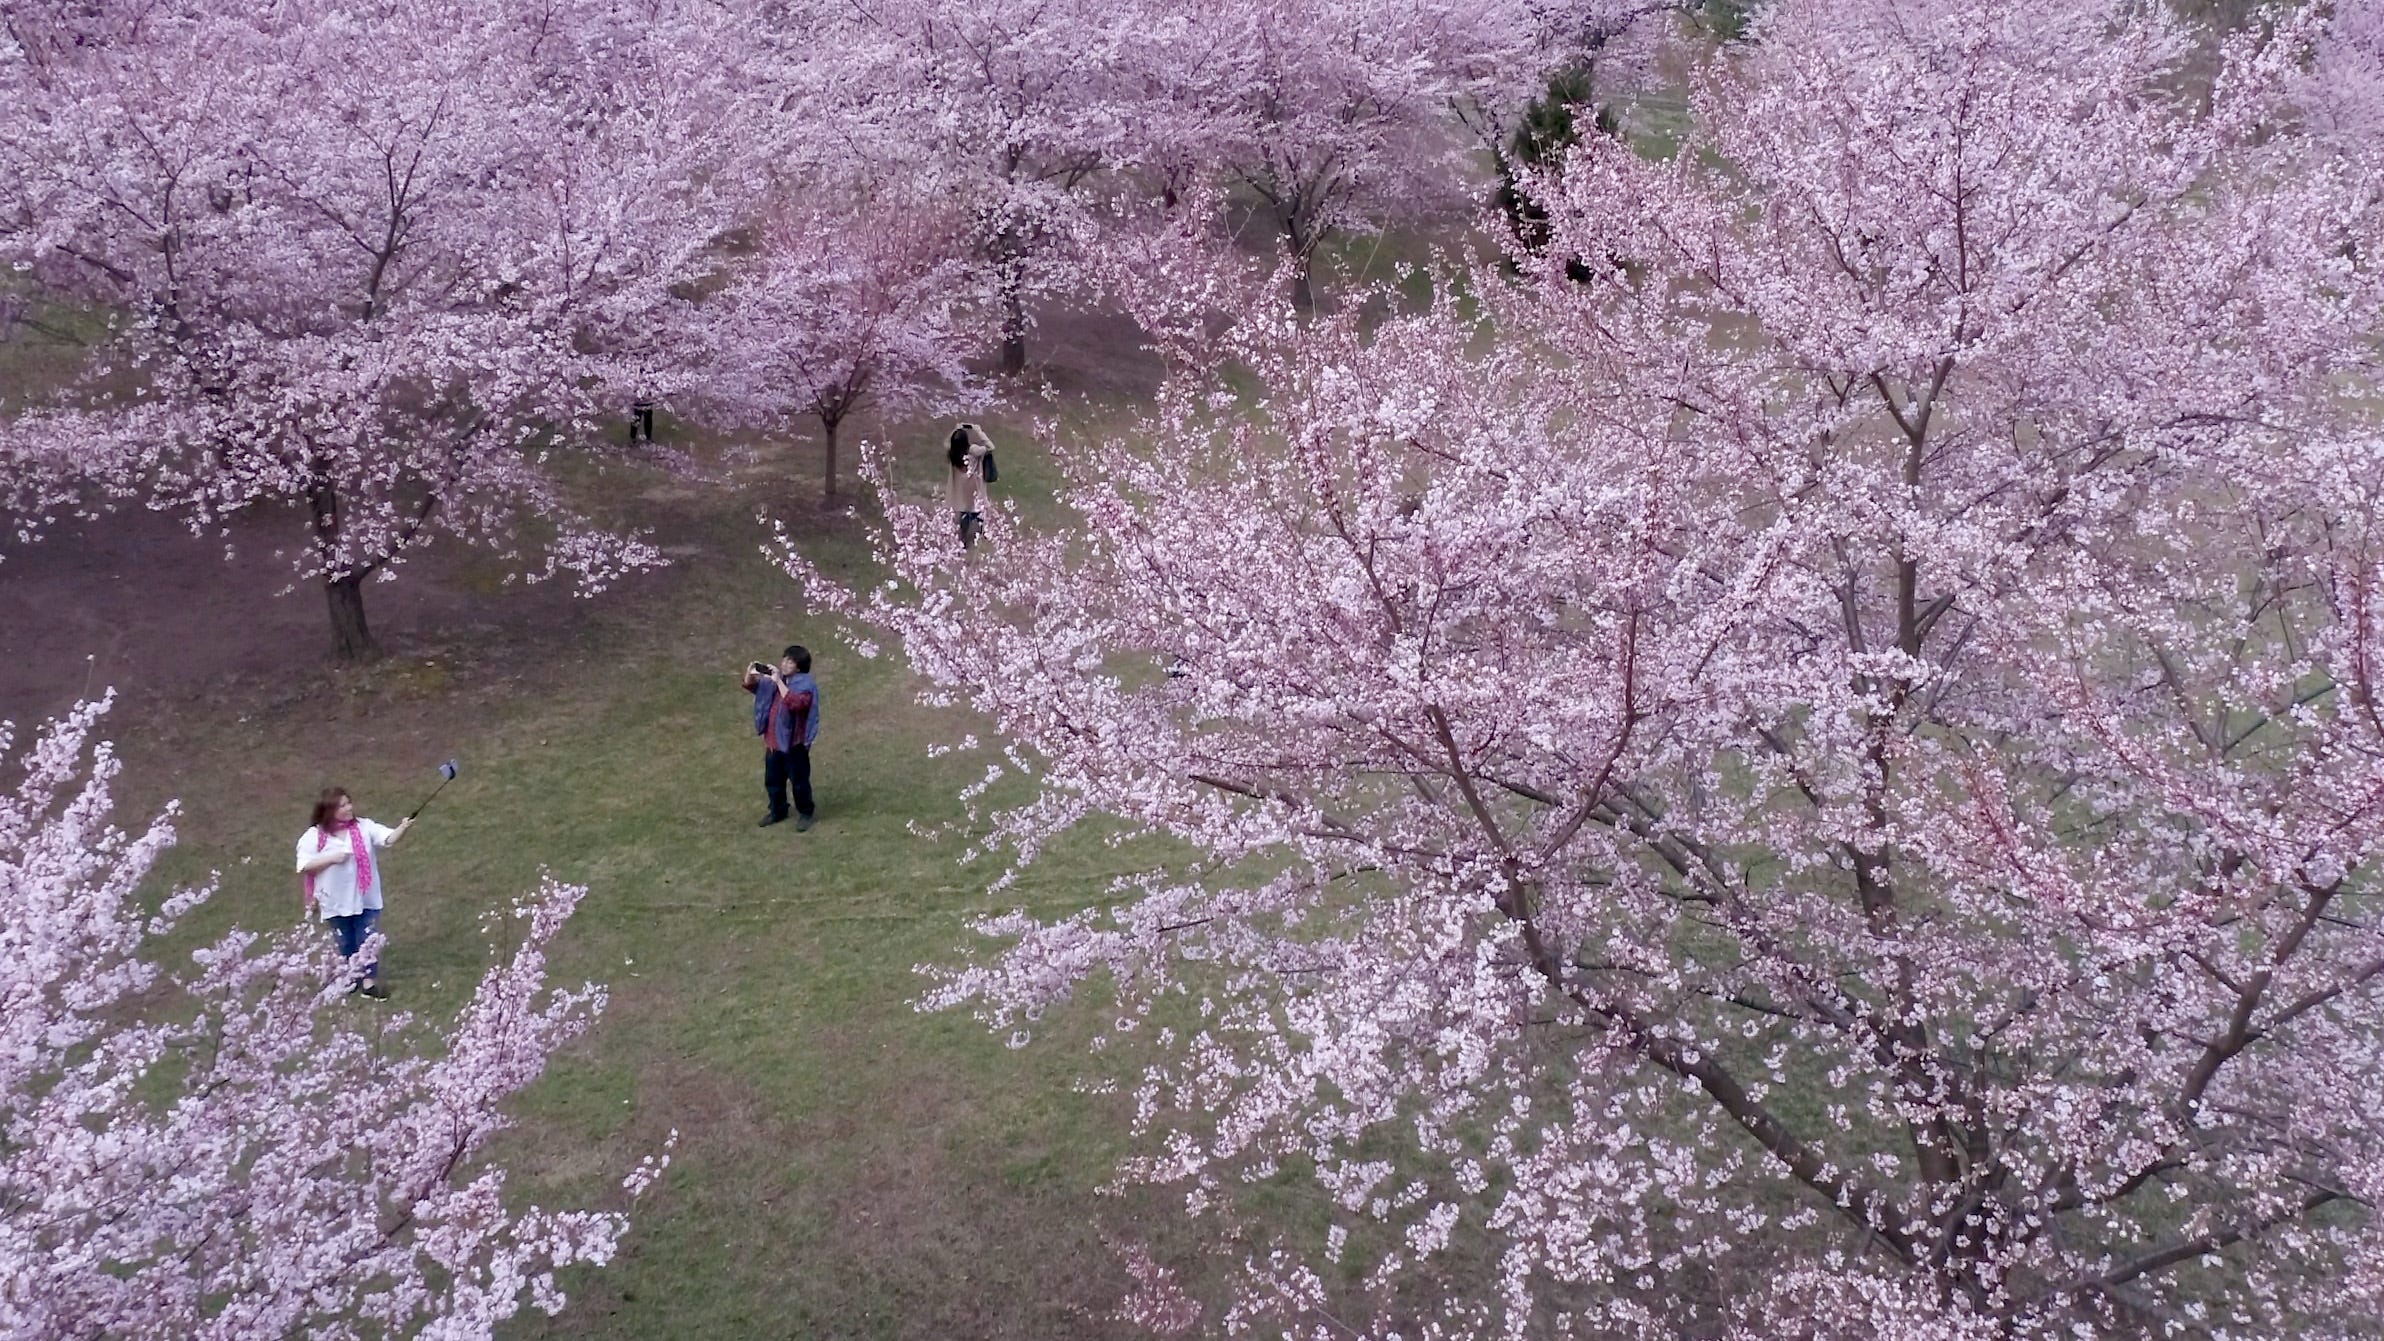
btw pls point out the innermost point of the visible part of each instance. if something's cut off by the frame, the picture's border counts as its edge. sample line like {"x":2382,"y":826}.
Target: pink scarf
{"x":364,"y":866}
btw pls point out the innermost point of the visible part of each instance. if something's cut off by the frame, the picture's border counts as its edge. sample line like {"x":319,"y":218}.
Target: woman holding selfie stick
{"x":335,"y":862}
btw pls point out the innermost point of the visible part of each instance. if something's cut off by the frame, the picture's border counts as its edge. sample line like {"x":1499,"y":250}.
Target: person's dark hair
{"x":957,"y":452}
{"x":800,"y":655}
{"x":327,"y":805}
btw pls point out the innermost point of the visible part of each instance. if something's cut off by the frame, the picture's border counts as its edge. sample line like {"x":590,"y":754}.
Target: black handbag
{"x":990,"y":473}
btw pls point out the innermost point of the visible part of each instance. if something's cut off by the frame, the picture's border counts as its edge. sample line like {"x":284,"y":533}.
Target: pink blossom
{"x":246,"y":1157}
{"x":1822,"y":779}
{"x":854,"y":304}
{"x":370,"y":259}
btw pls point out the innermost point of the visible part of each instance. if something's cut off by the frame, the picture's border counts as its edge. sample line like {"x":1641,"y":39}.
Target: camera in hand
{"x":762,"y":668}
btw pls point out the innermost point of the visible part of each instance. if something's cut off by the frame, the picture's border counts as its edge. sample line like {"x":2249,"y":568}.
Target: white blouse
{"x":335,"y":886}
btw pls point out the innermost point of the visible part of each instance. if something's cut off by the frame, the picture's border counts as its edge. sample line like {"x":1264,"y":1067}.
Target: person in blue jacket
{"x":786,"y":717}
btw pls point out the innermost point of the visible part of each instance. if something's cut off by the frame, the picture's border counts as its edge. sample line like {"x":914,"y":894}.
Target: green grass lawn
{"x":847,"y":1166}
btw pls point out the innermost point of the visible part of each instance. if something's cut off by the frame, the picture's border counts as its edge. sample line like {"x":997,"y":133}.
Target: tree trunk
{"x":1013,"y":331}
{"x":351,"y":638}
{"x":1303,"y":265}
{"x":1303,"y":287}
{"x":829,"y":426}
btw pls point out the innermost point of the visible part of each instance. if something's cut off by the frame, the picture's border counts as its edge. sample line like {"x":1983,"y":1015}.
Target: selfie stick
{"x":447,"y":772}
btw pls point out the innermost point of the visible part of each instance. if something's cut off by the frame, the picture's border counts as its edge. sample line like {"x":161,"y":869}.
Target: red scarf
{"x":364,"y":866}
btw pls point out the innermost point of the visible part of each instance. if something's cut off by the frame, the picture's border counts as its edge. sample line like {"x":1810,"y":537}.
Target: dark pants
{"x":641,"y":420}
{"x":972,"y":525}
{"x":352,"y":931}
{"x":784,"y":770}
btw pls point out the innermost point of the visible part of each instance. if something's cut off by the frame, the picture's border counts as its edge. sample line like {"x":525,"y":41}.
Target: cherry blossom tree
{"x":366,"y":256}
{"x":1005,"y":114}
{"x":1184,"y":76}
{"x":852,"y":304}
{"x":230,"y":1153}
{"x":1600,"y":53}
{"x":2344,"y":92}
{"x":1342,"y":110}
{"x":1823,"y":782}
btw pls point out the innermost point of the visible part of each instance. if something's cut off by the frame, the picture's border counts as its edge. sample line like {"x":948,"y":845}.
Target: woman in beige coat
{"x":964,"y":488}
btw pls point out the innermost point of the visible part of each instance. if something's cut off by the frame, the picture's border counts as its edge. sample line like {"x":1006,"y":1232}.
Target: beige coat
{"x":964,"y":489}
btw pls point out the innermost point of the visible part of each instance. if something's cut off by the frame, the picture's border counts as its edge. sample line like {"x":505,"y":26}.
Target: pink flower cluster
{"x":370,"y":259}
{"x":233,"y":1153}
{"x":1809,"y":767}
{"x":382,"y":260}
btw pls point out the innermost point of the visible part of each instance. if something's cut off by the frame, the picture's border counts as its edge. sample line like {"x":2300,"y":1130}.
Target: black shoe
{"x":374,"y":990}
{"x":768,"y":820}
{"x":802,"y":824}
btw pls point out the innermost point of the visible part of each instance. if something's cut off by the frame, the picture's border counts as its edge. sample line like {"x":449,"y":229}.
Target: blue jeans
{"x":352,"y":931}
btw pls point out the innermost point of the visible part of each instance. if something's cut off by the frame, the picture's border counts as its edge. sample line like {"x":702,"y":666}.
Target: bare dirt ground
{"x":134,"y":600}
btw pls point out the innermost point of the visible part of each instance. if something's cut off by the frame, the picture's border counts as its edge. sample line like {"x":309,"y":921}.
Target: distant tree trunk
{"x":351,"y":637}
{"x":1302,"y":244}
{"x":1013,"y":330}
{"x":829,"y":424}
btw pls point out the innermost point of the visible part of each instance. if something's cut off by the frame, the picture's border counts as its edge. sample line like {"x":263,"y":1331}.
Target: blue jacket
{"x":777,"y":728}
